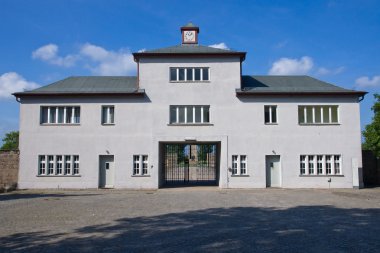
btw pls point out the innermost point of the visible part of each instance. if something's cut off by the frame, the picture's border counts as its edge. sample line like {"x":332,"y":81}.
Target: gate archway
{"x":190,"y":164}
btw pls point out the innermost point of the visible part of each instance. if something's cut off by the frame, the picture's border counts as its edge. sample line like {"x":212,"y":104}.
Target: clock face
{"x":189,"y":36}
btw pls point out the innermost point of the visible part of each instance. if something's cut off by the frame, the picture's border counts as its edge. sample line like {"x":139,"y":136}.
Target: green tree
{"x":372,"y":131}
{"x":10,"y":141}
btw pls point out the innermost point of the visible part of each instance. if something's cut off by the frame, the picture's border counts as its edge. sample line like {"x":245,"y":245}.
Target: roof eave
{"x":140,"y":92}
{"x":305,"y":93}
{"x":137,"y":56}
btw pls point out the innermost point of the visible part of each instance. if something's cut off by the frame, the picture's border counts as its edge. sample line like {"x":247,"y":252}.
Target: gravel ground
{"x":202,"y":219}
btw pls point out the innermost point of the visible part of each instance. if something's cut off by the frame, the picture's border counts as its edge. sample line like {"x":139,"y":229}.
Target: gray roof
{"x":289,"y":85}
{"x":89,"y":85}
{"x":251,"y":85}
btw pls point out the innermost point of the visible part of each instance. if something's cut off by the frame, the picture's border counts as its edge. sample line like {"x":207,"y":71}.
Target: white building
{"x":190,"y":117}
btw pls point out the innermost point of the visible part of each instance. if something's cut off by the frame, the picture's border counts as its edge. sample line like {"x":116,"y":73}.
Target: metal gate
{"x":190,"y":164}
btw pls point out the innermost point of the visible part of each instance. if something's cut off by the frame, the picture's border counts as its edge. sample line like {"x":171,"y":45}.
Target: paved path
{"x":191,"y":220}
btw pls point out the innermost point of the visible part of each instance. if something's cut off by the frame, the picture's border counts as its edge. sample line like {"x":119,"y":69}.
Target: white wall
{"x":141,"y":123}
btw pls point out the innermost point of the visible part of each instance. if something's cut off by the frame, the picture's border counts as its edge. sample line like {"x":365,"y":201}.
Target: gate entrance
{"x":190,"y":164}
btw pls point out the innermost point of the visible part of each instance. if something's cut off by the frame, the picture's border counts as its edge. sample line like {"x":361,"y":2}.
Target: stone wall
{"x":9,"y":164}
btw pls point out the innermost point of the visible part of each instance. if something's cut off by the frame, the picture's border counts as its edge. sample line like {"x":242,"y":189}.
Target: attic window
{"x":189,"y":74}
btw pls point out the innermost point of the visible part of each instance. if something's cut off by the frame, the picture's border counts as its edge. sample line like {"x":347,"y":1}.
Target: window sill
{"x":271,"y":124}
{"x":197,"y":81}
{"x":319,"y":124}
{"x":321,"y":175}
{"x":60,"y":124}
{"x":239,"y":175}
{"x":140,"y":175}
{"x":108,"y":124}
{"x":190,"y":124}
{"x":58,"y":176}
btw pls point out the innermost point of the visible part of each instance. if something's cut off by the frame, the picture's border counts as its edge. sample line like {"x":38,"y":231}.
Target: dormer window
{"x":189,"y":74}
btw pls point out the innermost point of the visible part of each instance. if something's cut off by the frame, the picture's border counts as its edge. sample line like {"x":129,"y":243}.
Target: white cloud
{"x":49,"y":53}
{"x":221,"y":45}
{"x":104,"y":62}
{"x":95,"y":58}
{"x":365,"y":81}
{"x":12,"y":82}
{"x":141,"y":50}
{"x":325,"y":71}
{"x":288,"y":66}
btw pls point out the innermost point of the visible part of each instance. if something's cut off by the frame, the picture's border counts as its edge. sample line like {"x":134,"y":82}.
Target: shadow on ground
{"x":21,"y":195}
{"x":240,"y":229}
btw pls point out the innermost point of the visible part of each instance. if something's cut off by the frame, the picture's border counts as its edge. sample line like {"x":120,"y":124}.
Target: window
{"x":108,"y":113}
{"x":189,"y":114}
{"x":311,"y":164}
{"x":239,"y":165}
{"x":328,"y":165}
{"x":76,"y":165}
{"x":67,"y":165}
{"x":337,"y":164}
{"x":60,"y":115}
{"x":270,"y":112}
{"x":320,"y":165}
{"x":326,"y":114}
{"x":303,"y":164}
{"x":140,"y":165}
{"x":189,"y":74}
{"x":50,"y":165}
{"x":42,"y":165}
{"x":59,"y":164}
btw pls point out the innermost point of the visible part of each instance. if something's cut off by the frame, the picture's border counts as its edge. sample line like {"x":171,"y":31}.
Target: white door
{"x":107,"y":171}
{"x":273,"y":171}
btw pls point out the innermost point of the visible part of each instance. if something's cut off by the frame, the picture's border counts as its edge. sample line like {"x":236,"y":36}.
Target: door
{"x":185,"y":164}
{"x":106,"y":171}
{"x":273,"y":171}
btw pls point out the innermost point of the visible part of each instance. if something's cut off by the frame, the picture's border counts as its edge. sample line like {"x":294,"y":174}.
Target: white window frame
{"x":56,"y":167}
{"x":186,"y":120}
{"x":236,"y":162}
{"x":193,"y":74}
{"x":313,"y":109}
{"x":140,"y":165}
{"x":59,"y":164}
{"x":107,"y":119}
{"x":270,"y":110}
{"x":76,"y":164}
{"x":42,"y":165}
{"x":68,"y":170}
{"x":329,"y":167}
{"x":56,"y":108}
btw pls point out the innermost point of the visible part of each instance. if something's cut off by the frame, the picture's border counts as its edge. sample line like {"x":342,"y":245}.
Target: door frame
{"x":266,"y":171}
{"x":100,"y":172}
{"x":161,"y":149}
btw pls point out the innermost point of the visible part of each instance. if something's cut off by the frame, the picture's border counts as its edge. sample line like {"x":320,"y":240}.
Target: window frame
{"x":238,"y":170}
{"x":68,"y":110}
{"x":203,"y":114}
{"x":140,"y":165}
{"x":185,"y":79}
{"x":309,"y":112}
{"x":325,"y":167}
{"x":59,"y":168}
{"x":108,"y":112}
{"x":270,"y":111}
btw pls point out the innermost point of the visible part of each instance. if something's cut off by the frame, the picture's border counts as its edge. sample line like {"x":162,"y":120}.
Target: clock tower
{"x":189,"y":34}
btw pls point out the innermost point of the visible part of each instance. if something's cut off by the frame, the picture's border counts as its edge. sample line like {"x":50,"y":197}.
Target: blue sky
{"x":45,"y":41}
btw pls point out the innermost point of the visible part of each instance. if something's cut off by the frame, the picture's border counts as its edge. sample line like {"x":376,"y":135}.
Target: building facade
{"x":190,"y":117}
